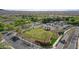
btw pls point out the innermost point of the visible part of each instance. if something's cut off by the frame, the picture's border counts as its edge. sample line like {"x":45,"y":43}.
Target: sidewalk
{"x":54,"y":46}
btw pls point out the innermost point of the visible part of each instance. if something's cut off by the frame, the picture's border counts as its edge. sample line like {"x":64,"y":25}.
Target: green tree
{"x":10,"y":27}
{"x":1,"y":36}
{"x":1,"y":26}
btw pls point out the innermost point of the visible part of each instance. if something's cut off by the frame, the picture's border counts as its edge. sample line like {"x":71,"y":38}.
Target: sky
{"x":39,"y":4}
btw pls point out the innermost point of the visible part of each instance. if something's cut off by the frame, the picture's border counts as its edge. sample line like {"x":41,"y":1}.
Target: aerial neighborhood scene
{"x":39,"y":29}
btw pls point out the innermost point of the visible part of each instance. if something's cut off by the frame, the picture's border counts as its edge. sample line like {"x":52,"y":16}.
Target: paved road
{"x":60,"y":45}
{"x":66,"y":37}
{"x":74,"y":41}
{"x":20,"y":43}
{"x":78,"y":37}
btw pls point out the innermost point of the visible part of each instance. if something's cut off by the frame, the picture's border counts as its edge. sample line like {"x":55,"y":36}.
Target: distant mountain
{"x":63,"y":13}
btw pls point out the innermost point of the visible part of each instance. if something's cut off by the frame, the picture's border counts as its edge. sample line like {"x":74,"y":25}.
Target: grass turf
{"x":40,"y":34}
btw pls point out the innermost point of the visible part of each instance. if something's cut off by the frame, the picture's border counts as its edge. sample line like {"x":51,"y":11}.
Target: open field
{"x":40,"y":35}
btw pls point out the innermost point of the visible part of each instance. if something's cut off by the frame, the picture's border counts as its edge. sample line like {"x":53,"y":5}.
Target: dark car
{"x":63,"y":41}
{"x":9,"y":34}
{"x":14,"y":39}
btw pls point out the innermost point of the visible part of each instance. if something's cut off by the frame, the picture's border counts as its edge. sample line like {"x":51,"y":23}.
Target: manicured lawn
{"x":40,"y":34}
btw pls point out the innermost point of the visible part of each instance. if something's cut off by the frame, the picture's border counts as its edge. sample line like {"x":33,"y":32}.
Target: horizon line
{"x":41,"y":9}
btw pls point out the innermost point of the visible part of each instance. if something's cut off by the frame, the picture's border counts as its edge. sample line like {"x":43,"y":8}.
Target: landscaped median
{"x":57,"y":41}
{"x":41,"y":37}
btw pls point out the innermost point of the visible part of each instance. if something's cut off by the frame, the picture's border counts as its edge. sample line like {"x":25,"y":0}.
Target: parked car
{"x":9,"y":34}
{"x":14,"y":38}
